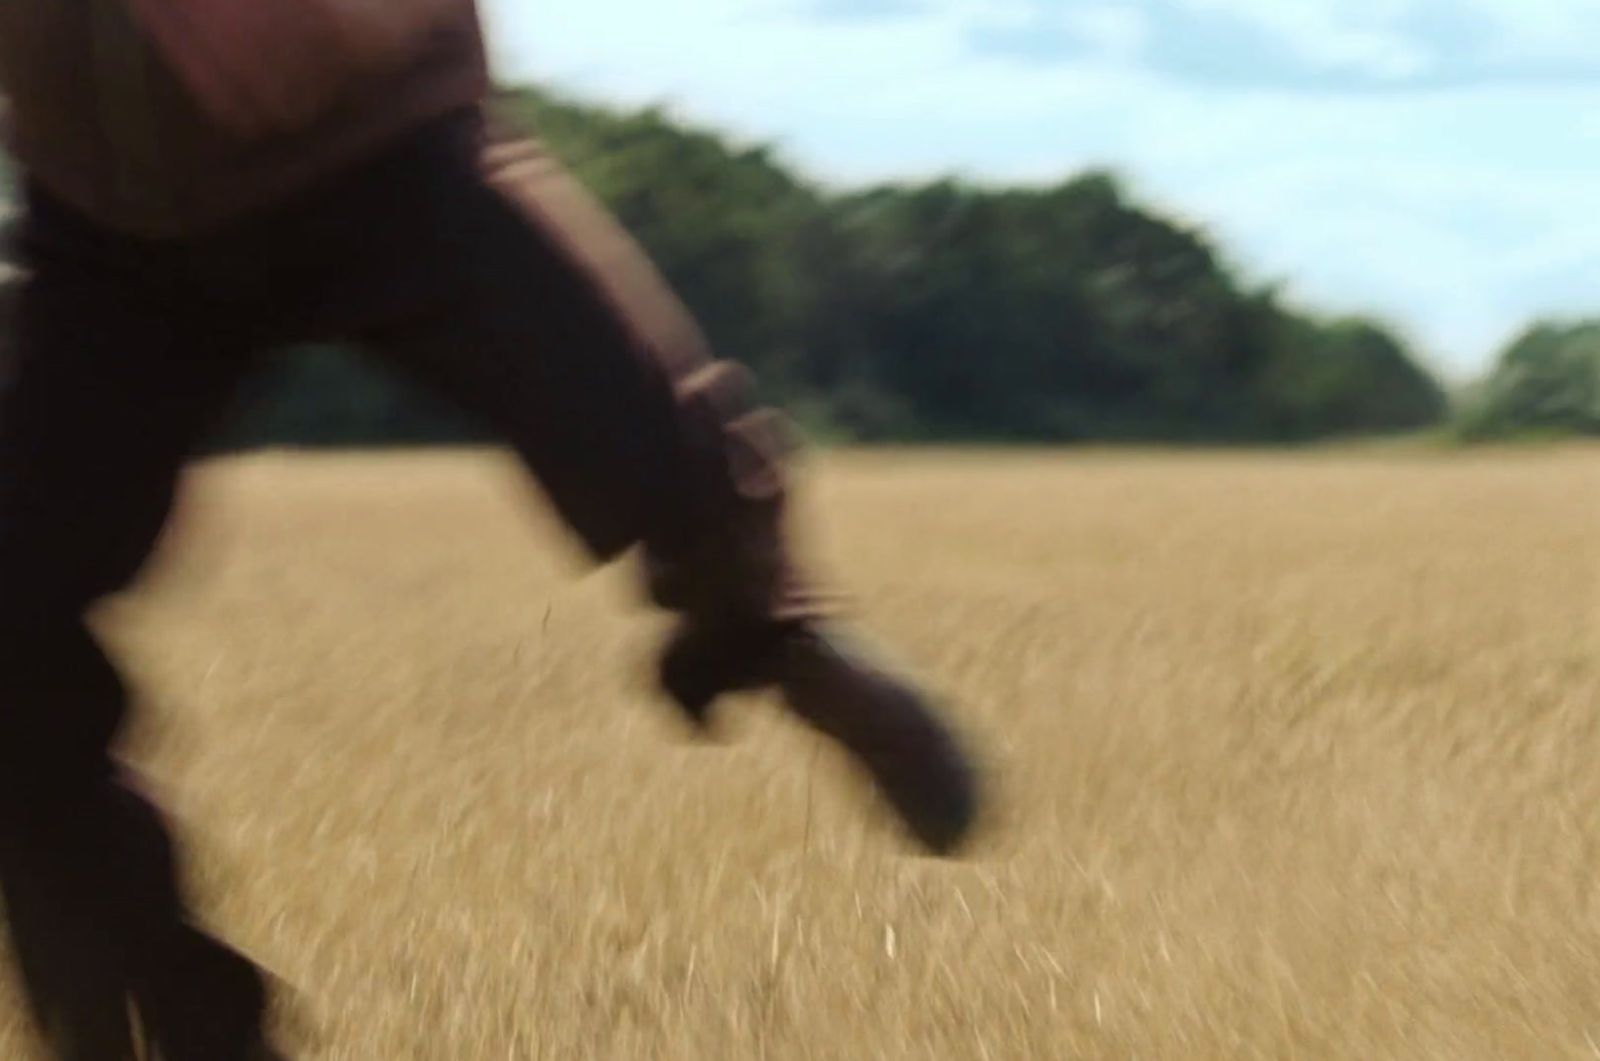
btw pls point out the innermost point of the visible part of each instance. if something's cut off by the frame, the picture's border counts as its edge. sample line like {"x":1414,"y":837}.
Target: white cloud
{"x":1328,"y":33}
{"x":1115,"y":31}
{"x":1545,"y":28}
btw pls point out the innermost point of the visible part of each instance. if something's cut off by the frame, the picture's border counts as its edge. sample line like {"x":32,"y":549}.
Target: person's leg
{"x":497,"y":281}
{"x":108,"y":390}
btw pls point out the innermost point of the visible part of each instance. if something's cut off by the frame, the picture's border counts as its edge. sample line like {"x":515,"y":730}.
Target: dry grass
{"x":1297,"y":754}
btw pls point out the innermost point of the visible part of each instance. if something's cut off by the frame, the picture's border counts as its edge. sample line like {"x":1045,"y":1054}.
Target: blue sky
{"x":1435,"y":162}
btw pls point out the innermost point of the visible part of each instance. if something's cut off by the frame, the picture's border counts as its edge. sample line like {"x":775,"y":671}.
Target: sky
{"x":1435,"y":163}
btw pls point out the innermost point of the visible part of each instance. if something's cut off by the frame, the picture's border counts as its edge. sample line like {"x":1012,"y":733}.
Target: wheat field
{"x":1293,"y":756}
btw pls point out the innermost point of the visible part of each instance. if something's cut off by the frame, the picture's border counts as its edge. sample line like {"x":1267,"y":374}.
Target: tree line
{"x":951,"y":310}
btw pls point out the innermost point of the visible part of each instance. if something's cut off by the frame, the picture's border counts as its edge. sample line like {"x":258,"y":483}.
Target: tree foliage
{"x":1547,"y":382}
{"x":937,"y":310}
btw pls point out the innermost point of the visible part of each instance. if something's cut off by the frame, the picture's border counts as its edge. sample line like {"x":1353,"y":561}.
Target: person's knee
{"x":61,"y":704}
{"x":747,"y":445}
{"x":61,"y":568}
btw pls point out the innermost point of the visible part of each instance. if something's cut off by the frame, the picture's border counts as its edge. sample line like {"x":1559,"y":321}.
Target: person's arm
{"x":263,"y":66}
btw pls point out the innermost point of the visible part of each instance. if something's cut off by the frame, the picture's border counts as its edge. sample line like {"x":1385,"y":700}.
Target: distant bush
{"x":1546,"y":384}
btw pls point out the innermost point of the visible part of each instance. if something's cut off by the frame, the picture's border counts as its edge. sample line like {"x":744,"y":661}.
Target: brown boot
{"x":880,"y":718}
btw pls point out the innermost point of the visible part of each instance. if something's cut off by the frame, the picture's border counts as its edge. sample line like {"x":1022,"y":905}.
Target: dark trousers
{"x":478,"y":270}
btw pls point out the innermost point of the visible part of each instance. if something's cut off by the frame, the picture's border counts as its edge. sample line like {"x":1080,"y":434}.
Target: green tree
{"x":945,"y":310}
{"x":1546,"y":382}
{"x":1346,"y":377}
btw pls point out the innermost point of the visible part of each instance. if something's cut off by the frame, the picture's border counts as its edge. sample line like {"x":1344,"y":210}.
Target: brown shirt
{"x":97,"y":118}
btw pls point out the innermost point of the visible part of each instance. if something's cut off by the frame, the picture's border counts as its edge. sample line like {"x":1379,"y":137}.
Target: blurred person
{"x":208,"y":180}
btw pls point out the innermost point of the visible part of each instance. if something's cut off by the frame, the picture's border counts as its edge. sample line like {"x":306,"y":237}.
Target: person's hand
{"x":258,"y":67}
